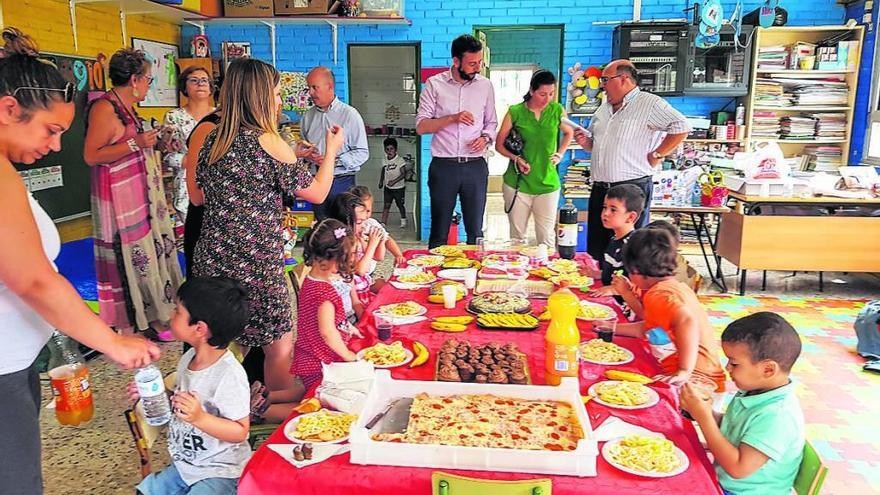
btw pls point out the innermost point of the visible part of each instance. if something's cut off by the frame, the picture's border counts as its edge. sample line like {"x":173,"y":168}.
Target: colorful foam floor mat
{"x":841,"y":402}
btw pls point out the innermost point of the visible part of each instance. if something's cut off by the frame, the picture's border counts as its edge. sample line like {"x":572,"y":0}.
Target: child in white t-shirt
{"x":393,"y":181}
{"x":208,"y":433}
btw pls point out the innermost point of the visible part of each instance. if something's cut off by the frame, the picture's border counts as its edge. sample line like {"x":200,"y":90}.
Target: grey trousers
{"x":20,"y":468}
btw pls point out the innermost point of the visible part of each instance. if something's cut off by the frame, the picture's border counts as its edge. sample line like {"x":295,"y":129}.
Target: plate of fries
{"x":597,"y":351}
{"x":386,"y":355}
{"x":590,"y":311}
{"x":652,"y":457}
{"x":418,"y":278}
{"x":322,"y":427}
{"x":562,"y":265}
{"x":406,"y":308}
{"x":574,"y":279}
{"x":448,"y":251}
{"x":427,"y":261}
{"x":623,"y":395}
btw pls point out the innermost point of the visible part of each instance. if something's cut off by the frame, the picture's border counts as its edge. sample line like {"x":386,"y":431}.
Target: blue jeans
{"x":169,"y":482}
{"x":341,"y":184}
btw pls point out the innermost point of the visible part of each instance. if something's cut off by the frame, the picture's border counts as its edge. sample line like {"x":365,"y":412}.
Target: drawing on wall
{"x":163,"y":56}
{"x":295,"y":92}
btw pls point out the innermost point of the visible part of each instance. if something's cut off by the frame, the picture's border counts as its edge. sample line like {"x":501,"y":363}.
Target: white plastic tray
{"x":364,"y":450}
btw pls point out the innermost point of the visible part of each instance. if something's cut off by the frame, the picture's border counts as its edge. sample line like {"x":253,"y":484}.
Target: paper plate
{"x":653,"y":397}
{"x":452,"y":273}
{"x":290,"y":427}
{"x":682,"y":457}
{"x":608,"y":363}
{"x":409,"y":357}
{"x":382,"y":312}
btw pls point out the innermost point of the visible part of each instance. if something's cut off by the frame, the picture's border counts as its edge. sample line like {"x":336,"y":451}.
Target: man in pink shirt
{"x":458,"y":108}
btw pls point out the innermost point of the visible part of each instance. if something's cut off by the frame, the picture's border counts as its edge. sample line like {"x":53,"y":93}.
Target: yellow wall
{"x":98,"y":29}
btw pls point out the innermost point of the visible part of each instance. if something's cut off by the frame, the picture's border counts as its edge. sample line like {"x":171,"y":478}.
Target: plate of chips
{"x":386,"y":355}
{"x":417,"y":278}
{"x":590,"y":311}
{"x":623,"y":395}
{"x":652,"y":457}
{"x":427,"y":261}
{"x":562,"y":265}
{"x":574,"y":279}
{"x":448,"y":251}
{"x":597,"y":351}
{"x":406,"y":308}
{"x":322,"y":427}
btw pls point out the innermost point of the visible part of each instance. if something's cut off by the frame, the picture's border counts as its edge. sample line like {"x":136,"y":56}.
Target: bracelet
{"x":132,"y":145}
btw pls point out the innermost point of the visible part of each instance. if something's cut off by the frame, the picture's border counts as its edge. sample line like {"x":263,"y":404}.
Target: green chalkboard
{"x":73,"y":198}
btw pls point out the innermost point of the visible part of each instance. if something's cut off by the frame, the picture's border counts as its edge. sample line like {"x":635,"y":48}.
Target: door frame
{"x":417,"y":46}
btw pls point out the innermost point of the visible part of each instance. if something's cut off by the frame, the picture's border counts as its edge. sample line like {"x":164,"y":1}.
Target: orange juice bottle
{"x":563,"y":337}
{"x":70,"y":382}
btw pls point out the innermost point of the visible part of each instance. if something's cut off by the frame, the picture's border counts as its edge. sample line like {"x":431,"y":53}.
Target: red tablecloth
{"x":269,"y":473}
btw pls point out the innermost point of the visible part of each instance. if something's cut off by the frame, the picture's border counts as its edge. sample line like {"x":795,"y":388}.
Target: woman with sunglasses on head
{"x":36,"y":108}
{"x":135,"y":253}
{"x":197,"y":86}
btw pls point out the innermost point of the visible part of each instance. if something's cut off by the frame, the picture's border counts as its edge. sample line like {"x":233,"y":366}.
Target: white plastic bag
{"x":345,"y":385}
{"x":767,"y":162}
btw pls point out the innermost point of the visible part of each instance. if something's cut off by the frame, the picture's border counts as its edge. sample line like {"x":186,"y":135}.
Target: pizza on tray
{"x":490,"y":421}
{"x":500,"y":302}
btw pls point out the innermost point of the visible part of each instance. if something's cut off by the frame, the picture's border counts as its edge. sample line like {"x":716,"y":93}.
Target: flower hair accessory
{"x":340,"y":232}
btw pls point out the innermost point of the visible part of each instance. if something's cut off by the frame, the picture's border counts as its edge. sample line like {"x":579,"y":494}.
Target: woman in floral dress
{"x":243,"y":169}
{"x":135,"y":254}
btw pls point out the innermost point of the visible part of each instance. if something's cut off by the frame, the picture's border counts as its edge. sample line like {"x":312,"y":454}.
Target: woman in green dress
{"x":531,"y":182}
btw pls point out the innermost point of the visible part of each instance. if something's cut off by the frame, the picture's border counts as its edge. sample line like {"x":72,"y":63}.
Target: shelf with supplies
{"x":714,"y":141}
{"x":798,"y":108}
{"x":805,"y":72}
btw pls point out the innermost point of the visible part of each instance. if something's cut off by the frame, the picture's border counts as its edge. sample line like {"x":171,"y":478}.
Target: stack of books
{"x":823,"y":158}
{"x":797,"y":127}
{"x":773,"y":57}
{"x":830,"y":125}
{"x":817,"y":92}
{"x":765,"y":125}
{"x":771,"y":93}
{"x":574,"y":183}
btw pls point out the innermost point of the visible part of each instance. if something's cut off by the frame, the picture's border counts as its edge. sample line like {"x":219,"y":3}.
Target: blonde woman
{"x":244,"y":167}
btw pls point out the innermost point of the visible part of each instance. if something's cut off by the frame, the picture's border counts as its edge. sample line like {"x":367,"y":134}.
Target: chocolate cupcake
{"x":498,"y":376}
{"x":481,"y":378}
{"x":448,"y":374}
{"x":518,"y":377}
{"x":466,"y":373}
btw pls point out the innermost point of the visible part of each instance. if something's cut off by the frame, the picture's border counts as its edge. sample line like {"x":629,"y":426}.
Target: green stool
{"x":811,"y":474}
{"x":451,"y":484}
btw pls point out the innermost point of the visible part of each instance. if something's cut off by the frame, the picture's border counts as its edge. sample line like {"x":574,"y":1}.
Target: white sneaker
{"x":403,"y":223}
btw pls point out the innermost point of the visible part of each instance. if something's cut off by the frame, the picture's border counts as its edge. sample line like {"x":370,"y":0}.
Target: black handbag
{"x":515,"y":144}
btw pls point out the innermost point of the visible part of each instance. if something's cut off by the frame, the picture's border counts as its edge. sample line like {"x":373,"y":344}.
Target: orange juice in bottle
{"x":561,"y":341}
{"x":70,"y":382}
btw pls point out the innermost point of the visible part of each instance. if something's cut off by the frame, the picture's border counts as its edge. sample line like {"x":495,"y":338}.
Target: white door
{"x":511,"y":83}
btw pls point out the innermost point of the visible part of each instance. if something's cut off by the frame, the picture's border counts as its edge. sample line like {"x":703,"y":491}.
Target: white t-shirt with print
{"x":224,"y":392}
{"x":394,"y":170}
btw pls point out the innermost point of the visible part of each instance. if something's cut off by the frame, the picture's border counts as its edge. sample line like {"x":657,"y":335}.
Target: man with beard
{"x":458,"y":108}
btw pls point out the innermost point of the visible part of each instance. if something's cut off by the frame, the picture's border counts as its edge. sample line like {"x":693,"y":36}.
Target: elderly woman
{"x":531,"y":182}
{"x":135,"y":253}
{"x":197,"y":86}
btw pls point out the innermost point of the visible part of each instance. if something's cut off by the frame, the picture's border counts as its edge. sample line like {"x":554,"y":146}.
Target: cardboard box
{"x":582,"y":216}
{"x":248,"y":8}
{"x":300,"y":7}
{"x":302,"y":205}
{"x":304,"y":218}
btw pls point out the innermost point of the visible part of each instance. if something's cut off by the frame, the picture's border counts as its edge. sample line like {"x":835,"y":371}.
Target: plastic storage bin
{"x":382,"y":8}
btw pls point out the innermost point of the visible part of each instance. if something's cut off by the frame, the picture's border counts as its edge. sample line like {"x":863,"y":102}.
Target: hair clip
{"x":314,"y":222}
{"x":340,"y":232}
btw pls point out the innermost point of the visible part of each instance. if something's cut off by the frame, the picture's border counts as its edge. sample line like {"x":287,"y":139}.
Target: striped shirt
{"x":355,"y":150}
{"x":623,"y":139}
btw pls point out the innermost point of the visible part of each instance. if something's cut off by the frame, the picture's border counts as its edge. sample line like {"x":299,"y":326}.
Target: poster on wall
{"x":163,"y":89}
{"x":295,"y":92}
{"x":233,"y":50}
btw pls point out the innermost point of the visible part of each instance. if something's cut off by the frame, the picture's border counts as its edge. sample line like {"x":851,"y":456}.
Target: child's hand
{"x":590,"y":272}
{"x":400,"y":260}
{"x":698,"y":406}
{"x":355,"y":331}
{"x":555,"y":158}
{"x":132,"y":392}
{"x":375,"y":237}
{"x":679,"y":378}
{"x":603,"y":291}
{"x":187,"y":406}
{"x":621,"y":284}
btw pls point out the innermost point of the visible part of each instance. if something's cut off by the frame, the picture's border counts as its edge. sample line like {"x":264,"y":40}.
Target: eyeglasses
{"x":199,"y":81}
{"x":69,"y":91}
{"x":604,"y":80}
{"x":150,"y":80}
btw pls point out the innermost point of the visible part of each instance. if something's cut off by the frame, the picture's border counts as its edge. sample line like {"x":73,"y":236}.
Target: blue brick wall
{"x":436,"y":22}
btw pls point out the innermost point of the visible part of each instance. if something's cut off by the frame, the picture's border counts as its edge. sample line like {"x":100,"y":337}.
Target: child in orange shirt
{"x":650,"y":257}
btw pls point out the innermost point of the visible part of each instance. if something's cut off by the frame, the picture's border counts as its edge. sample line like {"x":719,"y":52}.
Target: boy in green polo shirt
{"x":758,"y":443}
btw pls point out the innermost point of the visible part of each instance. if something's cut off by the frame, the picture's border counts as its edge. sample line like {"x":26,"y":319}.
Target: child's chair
{"x":451,"y":484}
{"x":145,"y":435}
{"x":811,"y":474}
{"x":297,"y":276}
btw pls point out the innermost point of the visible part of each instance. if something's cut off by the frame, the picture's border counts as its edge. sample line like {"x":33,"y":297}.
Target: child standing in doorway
{"x":393,"y":181}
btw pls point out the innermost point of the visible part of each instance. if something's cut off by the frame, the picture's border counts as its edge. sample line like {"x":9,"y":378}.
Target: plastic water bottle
{"x":661,"y":346}
{"x":151,"y":387}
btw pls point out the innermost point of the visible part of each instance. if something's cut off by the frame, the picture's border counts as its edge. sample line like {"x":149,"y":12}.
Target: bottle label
{"x":70,"y":387}
{"x":563,"y":358}
{"x":567,"y":234}
{"x":151,"y":388}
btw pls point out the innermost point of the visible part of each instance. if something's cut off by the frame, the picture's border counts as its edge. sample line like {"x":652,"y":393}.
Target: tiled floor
{"x":99,"y":458}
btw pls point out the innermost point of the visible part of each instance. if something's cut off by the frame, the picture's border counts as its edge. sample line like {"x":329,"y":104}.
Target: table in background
{"x":268,"y":473}
{"x":698,"y":216}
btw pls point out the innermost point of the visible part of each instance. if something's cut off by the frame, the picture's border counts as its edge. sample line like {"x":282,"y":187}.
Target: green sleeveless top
{"x":541,"y":139}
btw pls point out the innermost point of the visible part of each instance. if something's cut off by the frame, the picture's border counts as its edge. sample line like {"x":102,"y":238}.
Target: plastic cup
{"x":450,"y":292}
{"x":470,"y":278}
{"x":605,"y":329}
{"x":383,"y":328}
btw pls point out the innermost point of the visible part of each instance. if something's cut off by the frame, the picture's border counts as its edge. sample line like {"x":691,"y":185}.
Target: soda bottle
{"x":151,"y":387}
{"x":566,"y":233}
{"x":563,"y":336}
{"x":69,"y":377}
{"x":661,"y":345}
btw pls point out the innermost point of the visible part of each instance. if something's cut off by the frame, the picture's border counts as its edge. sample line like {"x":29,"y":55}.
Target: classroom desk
{"x":698,"y":216}
{"x":829,"y":242}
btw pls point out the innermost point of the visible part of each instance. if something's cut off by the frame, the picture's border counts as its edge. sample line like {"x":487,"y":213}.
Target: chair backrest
{"x":297,"y":275}
{"x":811,"y":474}
{"x":451,"y":484}
{"x":143,"y":434}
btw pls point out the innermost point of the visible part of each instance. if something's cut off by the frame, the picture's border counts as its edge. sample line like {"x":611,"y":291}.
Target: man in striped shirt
{"x":628,"y":136}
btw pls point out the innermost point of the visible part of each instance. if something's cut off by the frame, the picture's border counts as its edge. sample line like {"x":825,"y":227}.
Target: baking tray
{"x":525,"y":369}
{"x":511,"y":329}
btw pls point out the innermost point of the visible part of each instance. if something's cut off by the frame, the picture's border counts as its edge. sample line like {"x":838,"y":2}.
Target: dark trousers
{"x":341,"y":184}
{"x":449,"y":180}
{"x":597,"y":235}
{"x":192,"y":230}
{"x":20,"y":469}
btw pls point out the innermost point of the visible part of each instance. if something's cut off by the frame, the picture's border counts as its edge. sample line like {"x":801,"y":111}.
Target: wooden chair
{"x":451,"y":484}
{"x":297,"y":276}
{"x":811,"y":474}
{"x":143,"y":434}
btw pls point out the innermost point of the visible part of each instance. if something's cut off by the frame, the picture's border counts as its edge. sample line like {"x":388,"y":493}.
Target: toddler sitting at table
{"x":650,"y":257}
{"x":369,"y":241}
{"x":758,"y":443}
{"x":370,"y":223}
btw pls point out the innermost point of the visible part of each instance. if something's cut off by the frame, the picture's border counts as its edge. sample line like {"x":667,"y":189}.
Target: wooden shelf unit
{"x":765,"y":37}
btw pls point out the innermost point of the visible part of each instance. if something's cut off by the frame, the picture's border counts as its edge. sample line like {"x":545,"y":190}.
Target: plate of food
{"x":499,"y":302}
{"x":597,"y":351}
{"x":452,"y":274}
{"x":491,"y":272}
{"x":562,"y":265}
{"x":506,"y":261}
{"x":386,"y":355}
{"x":417,"y":278}
{"x":459,"y":263}
{"x":652,"y":457}
{"x":542,"y":272}
{"x":437,"y":288}
{"x":623,"y":394}
{"x":507,"y":321}
{"x":427,"y":261}
{"x":574,"y":279}
{"x":534,"y":251}
{"x":406,"y":308}
{"x":590,"y":311}
{"x":322,"y":427}
{"x":448,"y":251}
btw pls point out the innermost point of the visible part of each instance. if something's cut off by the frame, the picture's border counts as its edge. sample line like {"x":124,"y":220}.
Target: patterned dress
{"x":181,"y":125}
{"x":310,"y":349}
{"x":241,"y":234}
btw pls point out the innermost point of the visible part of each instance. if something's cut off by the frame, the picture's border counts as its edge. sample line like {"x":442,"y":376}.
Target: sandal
{"x":259,"y":402}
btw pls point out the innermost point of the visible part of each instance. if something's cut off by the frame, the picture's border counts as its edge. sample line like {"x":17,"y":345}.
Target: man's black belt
{"x":608,"y":185}
{"x":459,"y":159}
{"x":342,"y":176}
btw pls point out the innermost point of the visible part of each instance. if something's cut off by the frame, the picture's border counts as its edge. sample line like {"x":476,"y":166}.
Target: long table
{"x":268,"y":473}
